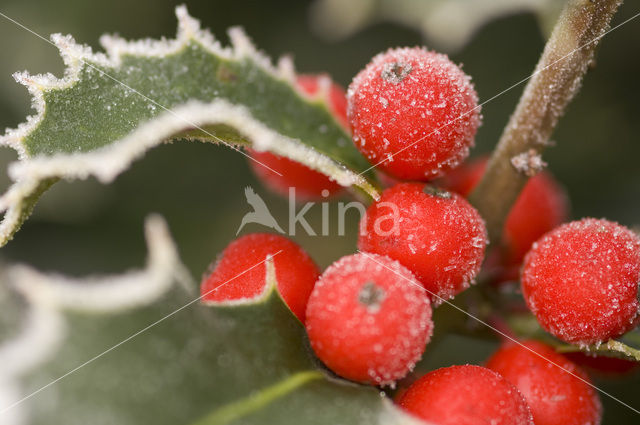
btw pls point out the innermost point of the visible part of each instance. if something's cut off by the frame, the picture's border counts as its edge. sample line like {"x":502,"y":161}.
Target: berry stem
{"x":566,"y":57}
{"x":259,"y":399}
{"x":612,"y":348}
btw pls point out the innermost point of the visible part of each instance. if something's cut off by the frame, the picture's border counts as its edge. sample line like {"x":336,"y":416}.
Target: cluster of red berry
{"x":414,"y":115}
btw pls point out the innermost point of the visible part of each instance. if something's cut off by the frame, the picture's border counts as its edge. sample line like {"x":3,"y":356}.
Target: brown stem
{"x":555,"y":81}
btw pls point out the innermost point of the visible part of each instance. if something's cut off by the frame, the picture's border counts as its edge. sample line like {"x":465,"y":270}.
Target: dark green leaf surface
{"x":108,"y":103}
{"x":242,"y":364}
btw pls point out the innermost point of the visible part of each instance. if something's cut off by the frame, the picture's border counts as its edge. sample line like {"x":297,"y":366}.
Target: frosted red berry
{"x":466,"y":395}
{"x":308,"y":183}
{"x":555,"y":388}
{"x":541,"y":206}
{"x":368,"y":319}
{"x":581,"y":281}
{"x":413,"y":113}
{"x":436,"y":234}
{"x":240,"y":272}
{"x":312,"y":84}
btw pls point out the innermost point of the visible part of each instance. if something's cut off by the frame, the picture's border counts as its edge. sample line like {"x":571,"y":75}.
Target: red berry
{"x":368,"y":319}
{"x":436,"y":234}
{"x":466,"y":395}
{"x":603,"y":366}
{"x":240,"y":272}
{"x":541,"y":206}
{"x":581,"y":280}
{"x":309,"y":184}
{"x":415,"y":110}
{"x":466,"y":177}
{"x":311,"y":84}
{"x":556,"y":397}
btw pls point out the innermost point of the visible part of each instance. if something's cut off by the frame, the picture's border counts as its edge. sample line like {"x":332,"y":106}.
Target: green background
{"x":85,"y":227}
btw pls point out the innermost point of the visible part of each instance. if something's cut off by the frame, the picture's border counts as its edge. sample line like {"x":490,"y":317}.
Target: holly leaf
{"x":138,"y":349}
{"x":109,"y":109}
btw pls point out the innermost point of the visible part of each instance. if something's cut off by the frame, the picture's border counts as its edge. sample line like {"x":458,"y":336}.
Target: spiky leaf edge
{"x":48,"y":296}
{"x":34,"y":175}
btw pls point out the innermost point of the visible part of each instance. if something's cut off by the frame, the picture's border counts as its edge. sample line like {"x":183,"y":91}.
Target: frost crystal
{"x":528,"y":163}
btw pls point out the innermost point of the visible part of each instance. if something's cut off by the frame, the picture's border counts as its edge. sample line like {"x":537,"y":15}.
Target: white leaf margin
{"x":108,"y":162}
{"x":389,"y":413}
{"x":48,"y":296}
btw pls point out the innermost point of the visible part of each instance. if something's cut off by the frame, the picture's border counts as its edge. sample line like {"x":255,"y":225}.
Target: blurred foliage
{"x":181,"y":373}
{"x":448,"y":24}
{"x":85,"y":227}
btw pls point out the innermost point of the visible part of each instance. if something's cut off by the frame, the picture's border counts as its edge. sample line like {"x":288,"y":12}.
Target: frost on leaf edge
{"x":270,"y":289}
{"x":33,"y":175}
{"x":389,"y":413}
{"x":47,"y":296}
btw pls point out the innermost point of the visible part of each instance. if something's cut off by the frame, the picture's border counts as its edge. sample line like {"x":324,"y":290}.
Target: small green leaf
{"x":108,"y":110}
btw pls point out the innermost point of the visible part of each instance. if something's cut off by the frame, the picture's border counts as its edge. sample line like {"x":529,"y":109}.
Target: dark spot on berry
{"x":395,"y":72}
{"x":437,"y":192}
{"x":371,"y":296}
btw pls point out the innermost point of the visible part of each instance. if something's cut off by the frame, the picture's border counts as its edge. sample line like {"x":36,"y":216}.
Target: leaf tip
{"x":242,"y":44}
{"x":75,"y":54}
{"x":188,"y":26}
{"x":286,"y":68}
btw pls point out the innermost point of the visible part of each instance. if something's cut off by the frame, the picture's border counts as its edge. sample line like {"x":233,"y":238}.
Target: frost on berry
{"x":241,"y":273}
{"x":466,"y":395}
{"x":368,"y":319}
{"x":557,"y":391}
{"x":436,"y":234}
{"x":581,"y":281}
{"x":413,"y":112}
